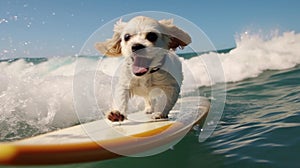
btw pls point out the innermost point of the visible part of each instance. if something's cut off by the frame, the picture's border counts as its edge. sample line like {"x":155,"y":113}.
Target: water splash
{"x":253,"y":55}
{"x":37,"y":97}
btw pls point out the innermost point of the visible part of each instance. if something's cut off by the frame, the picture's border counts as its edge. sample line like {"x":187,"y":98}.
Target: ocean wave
{"x":253,"y":55}
{"x":39,"y":95}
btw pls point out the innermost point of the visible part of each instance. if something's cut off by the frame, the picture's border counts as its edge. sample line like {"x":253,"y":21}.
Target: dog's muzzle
{"x":141,"y":66}
{"x":147,"y":60}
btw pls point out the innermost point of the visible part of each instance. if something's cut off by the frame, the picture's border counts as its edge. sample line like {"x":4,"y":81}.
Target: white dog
{"x":150,"y":63}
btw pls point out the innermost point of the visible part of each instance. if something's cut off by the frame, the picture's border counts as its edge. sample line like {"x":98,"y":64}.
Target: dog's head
{"x":141,"y":33}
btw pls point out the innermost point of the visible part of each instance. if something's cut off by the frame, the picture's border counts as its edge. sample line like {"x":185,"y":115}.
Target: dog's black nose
{"x":136,"y":47}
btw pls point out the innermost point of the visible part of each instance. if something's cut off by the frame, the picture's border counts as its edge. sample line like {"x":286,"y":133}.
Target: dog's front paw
{"x":116,"y":116}
{"x":158,"y":115}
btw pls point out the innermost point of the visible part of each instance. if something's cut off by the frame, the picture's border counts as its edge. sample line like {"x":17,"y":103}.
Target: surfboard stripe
{"x":133,"y":139}
{"x":18,"y":154}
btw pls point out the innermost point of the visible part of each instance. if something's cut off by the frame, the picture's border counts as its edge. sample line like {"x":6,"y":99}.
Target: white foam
{"x":252,"y":55}
{"x":36,"y":95}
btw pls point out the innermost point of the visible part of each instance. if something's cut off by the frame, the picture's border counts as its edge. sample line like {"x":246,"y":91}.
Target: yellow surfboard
{"x":101,"y":140}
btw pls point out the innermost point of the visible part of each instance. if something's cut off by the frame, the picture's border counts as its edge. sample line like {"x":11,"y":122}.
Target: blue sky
{"x":43,"y":28}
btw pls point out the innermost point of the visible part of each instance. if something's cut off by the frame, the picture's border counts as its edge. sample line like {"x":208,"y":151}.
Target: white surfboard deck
{"x":99,"y":140}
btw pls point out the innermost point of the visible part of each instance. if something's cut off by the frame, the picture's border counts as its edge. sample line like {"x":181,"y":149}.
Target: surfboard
{"x":139,"y":135}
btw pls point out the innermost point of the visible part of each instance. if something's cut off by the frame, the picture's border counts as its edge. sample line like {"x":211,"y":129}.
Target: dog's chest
{"x":143,"y":82}
{"x":160,"y":78}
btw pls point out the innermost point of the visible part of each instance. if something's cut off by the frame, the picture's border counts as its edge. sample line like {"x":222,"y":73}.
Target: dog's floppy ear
{"x":112,"y":47}
{"x":178,"y":38}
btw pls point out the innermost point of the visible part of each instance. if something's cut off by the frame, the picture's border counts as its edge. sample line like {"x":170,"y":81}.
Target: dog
{"x":150,"y":65}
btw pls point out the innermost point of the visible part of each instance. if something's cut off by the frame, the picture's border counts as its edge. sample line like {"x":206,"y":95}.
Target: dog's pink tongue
{"x":139,"y":70}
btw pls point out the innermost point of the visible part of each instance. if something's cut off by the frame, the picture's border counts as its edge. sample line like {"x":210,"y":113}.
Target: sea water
{"x":259,"y":127}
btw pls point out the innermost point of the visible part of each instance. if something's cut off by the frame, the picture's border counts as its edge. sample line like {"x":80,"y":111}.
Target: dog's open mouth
{"x":148,"y":60}
{"x":139,"y":71}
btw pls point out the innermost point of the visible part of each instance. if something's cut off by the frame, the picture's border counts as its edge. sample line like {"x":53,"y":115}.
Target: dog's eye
{"x":127,"y":37}
{"x":151,"y":36}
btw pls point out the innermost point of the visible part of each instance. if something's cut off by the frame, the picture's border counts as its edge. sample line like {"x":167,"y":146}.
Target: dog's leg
{"x":121,"y":94}
{"x":171,"y":100}
{"x":121,"y":101}
{"x":171,"y":96}
{"x":149,"y":104}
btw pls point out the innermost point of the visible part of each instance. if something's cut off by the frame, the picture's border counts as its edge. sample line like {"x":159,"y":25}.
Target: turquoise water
{"x":259,"y":127}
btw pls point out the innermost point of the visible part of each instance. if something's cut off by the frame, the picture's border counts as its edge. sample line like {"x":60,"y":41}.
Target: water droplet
{"x":29,"y":25}
{"x":15,"y":17}
{"x":3,"y":21}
